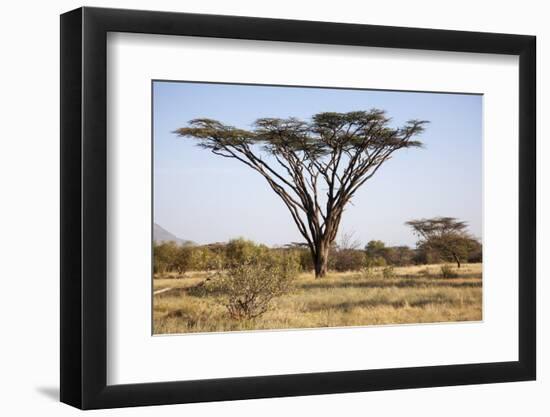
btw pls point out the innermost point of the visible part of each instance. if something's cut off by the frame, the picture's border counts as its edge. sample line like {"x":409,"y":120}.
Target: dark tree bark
{"x":457,"y":260}
{"x":320,"y":258}
{"x":315,"y":167}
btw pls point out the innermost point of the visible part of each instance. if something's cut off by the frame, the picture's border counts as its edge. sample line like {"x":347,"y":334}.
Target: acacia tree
{"x":446,"y":235}
{"x":314,"y":166}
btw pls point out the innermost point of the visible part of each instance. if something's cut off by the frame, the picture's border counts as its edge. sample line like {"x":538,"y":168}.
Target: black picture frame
{"x":84,"y":207}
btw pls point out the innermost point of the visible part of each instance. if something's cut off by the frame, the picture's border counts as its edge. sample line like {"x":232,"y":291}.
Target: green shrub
{"x":304,"y":258}
{"x":238,"y":251}
{"x":342,"y":260}
{"x":373,"y":261}
{"x":165,"y":254}
{"x":247,"y":288}
{"x":203,"y":258}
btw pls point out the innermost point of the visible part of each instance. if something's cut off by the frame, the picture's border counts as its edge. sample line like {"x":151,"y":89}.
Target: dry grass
{"x":415,"y":294}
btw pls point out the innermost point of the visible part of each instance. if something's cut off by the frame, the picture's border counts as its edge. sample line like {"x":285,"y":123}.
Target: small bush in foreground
{"x":249,"y":287}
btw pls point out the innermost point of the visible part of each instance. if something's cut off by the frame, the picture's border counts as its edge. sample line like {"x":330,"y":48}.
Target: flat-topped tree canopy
{"x":438,"y":226}
{"x":323,"y":134}
{"x":447,"y":235}
{"x":315,"y":166}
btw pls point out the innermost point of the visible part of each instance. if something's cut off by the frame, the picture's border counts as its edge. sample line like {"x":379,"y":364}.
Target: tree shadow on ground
{"x":388,"y":284}
{"x":350,"y":305}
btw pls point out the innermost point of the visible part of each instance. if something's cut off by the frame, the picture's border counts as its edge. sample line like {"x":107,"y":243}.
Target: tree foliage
{"x":378,"y":254}
{"x":238,"y":251}
{"x":248,"y":287}
{"x":166,"y":257}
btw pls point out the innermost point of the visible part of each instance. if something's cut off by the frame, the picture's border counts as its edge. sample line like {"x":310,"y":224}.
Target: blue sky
{"x":206,"y":198}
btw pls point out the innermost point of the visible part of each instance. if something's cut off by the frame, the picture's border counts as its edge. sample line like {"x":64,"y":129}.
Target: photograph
{"x":255,"y":206}
{"x":286,"y":207}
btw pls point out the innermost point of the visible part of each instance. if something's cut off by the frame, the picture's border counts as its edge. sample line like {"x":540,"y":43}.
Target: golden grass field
{"x":415,"y":294}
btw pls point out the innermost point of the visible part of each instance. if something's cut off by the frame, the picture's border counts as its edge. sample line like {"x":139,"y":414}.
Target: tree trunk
{"x":320,"y":261}
{"x":456,"y":260}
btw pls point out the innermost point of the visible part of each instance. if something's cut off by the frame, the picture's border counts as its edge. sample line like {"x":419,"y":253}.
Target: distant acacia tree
{"x":314,"y":166}
{"x":446,"y":235}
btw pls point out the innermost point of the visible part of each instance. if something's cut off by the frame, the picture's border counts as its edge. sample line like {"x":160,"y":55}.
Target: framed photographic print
{"x":258,"y":208}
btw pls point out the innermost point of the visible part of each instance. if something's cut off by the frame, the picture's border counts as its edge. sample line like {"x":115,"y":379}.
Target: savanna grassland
{"x":412,"y":294}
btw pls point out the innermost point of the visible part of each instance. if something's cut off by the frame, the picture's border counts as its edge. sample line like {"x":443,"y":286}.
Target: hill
{"x":160,"y":235}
